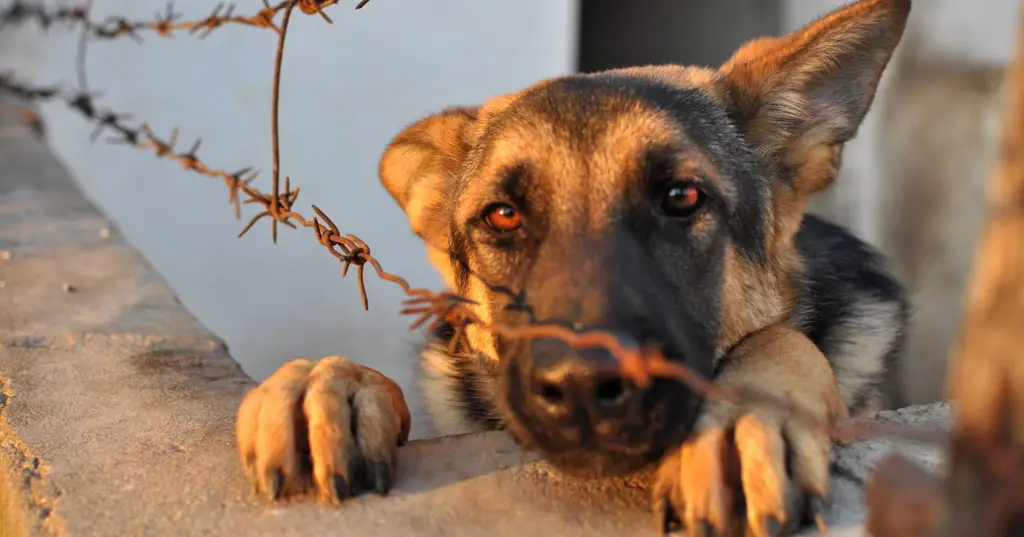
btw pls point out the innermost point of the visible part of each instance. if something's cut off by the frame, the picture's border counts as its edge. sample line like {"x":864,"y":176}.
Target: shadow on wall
{"x":913,"y":182}
{"x":939,"y":144}
{"x":347,"y":89}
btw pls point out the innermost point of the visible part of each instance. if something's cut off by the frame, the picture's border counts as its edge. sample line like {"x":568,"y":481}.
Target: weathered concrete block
{"x":117,"y":409}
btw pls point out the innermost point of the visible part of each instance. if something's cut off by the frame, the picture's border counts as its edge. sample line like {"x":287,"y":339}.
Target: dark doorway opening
{"x":622,"y":33}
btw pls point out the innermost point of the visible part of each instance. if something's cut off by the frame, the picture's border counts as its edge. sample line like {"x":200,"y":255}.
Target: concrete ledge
{"x":117,"y":408}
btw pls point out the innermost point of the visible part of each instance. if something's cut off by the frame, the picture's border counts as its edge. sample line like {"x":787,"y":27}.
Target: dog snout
{"x":578,"y":390}
{"x":576,"y":406}
{"x":570,"y":391}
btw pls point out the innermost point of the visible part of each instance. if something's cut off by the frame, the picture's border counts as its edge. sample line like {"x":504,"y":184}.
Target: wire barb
{"x":164,"y":24}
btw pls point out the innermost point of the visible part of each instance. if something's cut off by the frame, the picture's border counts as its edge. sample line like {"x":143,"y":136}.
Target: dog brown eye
{"x":502,"y":218}
{"x":682,"y":200}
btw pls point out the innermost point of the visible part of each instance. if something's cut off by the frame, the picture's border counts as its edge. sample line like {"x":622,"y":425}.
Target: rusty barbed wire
{"x":140,"y":136}
{"x":163,"y":24}
{"x":80,"y":57}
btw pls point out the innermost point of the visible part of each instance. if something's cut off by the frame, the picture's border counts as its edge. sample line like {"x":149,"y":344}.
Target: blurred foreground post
{"x":984,"y":491}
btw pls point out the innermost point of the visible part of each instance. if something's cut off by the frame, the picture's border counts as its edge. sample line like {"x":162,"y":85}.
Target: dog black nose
{"x":577,"y":391}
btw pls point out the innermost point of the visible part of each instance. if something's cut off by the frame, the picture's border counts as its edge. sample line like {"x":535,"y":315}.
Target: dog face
{"x":658,"y":203}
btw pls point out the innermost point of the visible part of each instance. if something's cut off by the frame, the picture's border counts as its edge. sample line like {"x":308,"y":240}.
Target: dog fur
{"x":737,"y":283}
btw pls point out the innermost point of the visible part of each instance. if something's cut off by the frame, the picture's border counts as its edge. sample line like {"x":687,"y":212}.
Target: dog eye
{"x":682,"y":199}
{"x":502,"y":218}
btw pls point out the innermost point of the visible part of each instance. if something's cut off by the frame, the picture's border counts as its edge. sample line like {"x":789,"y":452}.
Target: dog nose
{"x":572,"y":390}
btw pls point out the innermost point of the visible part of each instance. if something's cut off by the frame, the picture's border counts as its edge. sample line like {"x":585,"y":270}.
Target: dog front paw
{"x":753,"y":472}
{"x":332,"y":427}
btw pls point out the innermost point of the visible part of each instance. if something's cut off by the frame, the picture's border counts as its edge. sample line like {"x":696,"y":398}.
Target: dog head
{"x":659,"y":203}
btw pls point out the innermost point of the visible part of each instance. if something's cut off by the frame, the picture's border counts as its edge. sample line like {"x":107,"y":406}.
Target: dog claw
{"x":670,"y":523}
{"x":344,"y":418}
{"x":275,"y":485}
{"x":249,"y":466}
{"x":381,"y":474}
{"x":339,"y":488}
{"x":817,"y":505}
{"x":357,"y":473}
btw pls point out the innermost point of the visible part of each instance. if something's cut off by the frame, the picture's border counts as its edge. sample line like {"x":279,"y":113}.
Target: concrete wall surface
{"x":348,"y":88}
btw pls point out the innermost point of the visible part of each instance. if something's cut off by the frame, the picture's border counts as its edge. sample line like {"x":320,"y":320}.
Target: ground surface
{"x":117,"y":408}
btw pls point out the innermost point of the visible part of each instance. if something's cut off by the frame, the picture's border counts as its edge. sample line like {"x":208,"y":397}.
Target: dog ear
{"x":798,"y":98}
{"x":420,"y":166}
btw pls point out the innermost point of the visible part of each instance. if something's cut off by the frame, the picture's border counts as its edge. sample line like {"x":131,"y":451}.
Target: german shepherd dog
{"x":662,"y":203}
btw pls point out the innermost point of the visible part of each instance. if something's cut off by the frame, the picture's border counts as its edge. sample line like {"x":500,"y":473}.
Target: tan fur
{"x":266,"y":429}
{"x":306,"y":407}
{"x":704,"y":475}
{"x":419,"y":161}
{"x":775,"y":70}
{"x":408,"y":168}
{"x":479,"y":339}
{"x":558,"y":160}
{"x":753,"y":298}
{"x":327,"y":417}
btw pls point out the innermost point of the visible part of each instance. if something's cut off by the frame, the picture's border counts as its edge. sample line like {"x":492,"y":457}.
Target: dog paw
{"x":752,"y":472}
{"x":331,"y":427}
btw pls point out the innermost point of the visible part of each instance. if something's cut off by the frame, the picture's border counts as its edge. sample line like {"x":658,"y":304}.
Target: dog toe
{"x":779,"y":497}
{"x":279,"y":436}
{"x":332,"y":427}
{"x":694,"y":482}
{"x":745,"y":473}
{"x":355,"y":427}
{"x":765,"y":481}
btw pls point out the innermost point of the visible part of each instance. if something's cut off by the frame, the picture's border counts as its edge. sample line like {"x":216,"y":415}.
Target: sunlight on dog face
{"x":660,"y":203}
{"x":612,"y":202}
{"x":598,"y":197}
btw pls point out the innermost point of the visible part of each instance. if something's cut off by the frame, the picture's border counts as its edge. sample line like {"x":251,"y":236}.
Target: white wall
{"x":347,"y":89}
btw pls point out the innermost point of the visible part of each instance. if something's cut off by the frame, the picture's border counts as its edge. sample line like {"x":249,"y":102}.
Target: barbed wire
{"x":640,"y":363}
{"x":164,"y":24}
